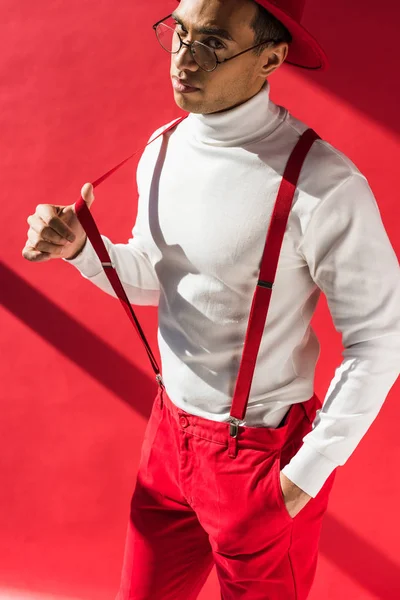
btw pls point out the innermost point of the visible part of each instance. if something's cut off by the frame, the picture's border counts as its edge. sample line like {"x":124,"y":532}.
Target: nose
{"x":183,"y":60}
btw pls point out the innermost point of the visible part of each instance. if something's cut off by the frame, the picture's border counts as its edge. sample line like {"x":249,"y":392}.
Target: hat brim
{"x":304,"y":51}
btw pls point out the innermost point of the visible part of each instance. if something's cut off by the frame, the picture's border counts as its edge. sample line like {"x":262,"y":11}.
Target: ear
{"x":272,"y":58}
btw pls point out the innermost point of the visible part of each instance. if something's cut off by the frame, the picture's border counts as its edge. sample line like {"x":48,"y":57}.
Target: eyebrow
{"x":222,"y":33}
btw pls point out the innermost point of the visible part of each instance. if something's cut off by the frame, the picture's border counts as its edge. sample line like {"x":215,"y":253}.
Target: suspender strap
{"x":269,"y":264}
{"x":86,"y":220}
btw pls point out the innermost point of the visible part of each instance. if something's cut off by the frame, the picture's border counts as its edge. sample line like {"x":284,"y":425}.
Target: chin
{"x":187,"y":102}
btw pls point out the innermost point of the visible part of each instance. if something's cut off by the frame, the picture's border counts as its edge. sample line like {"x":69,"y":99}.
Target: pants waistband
{"x":262,"y":438}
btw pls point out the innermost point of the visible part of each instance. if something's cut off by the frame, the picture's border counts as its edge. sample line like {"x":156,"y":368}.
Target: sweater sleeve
{"x":352,"y":261}
{"x":130,"y":260}
{"x":132,"y":265}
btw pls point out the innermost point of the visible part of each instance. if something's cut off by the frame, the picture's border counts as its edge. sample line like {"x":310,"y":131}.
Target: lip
{"x":181,"y":86}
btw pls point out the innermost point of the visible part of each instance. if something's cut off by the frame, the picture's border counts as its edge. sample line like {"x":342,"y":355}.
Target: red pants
{"x":194,"y":506}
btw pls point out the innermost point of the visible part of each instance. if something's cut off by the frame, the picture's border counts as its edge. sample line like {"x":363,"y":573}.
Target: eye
{"x":178,"y":25}
{"x":215,"y":44}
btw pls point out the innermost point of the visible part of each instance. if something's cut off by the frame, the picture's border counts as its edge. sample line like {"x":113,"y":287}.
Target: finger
{"x":35,"y":238}
{"x":47,"y":247}
{"x":34,"y":255}
{"x":49,"y":214}
{"x":87,"y":194}
{"x":46,"y":233}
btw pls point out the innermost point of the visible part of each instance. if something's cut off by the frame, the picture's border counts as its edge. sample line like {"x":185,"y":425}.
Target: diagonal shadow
{"x":92,"y":354}
{"x":355,"y":556}
{"x":363,"y":77}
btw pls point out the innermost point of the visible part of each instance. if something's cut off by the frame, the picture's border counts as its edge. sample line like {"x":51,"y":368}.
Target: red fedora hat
{"x":304,"y":51}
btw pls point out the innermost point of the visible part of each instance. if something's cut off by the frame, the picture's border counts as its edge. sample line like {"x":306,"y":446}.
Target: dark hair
{"x":265,"y":27}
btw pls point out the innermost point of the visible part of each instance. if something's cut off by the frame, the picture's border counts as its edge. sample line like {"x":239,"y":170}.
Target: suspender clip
{"x":160,"y":381}
{"x":234,"y":427}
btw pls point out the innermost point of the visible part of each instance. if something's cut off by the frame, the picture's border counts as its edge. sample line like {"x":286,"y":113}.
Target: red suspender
{"x":263,"y":291}
{"x":86,"y":220}
{"x":269,"y":264}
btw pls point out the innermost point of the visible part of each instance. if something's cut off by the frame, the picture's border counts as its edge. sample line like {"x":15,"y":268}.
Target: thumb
{"x":87,"y":194}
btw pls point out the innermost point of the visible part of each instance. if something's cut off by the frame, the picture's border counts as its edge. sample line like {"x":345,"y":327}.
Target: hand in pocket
{"x":293,"y":497}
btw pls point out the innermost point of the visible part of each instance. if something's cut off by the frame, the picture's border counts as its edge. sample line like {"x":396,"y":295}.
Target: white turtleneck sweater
{"x":206,"y":195}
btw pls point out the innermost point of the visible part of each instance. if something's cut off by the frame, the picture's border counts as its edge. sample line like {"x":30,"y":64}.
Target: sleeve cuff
{"x":87,"y":261}
{"x":309,"y":469}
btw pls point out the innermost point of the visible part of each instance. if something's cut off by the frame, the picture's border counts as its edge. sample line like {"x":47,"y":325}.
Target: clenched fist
{"x":55,"y":231}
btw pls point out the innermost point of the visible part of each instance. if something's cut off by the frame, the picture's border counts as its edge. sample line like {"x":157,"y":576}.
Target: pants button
{"x":183,"y":421}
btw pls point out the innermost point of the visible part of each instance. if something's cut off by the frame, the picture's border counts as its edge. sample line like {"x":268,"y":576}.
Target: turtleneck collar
{"x":249,"y":122}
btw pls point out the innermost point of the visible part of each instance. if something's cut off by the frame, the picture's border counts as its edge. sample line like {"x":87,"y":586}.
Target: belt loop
{"x":161,"y":391}
{"x":232,"y":447}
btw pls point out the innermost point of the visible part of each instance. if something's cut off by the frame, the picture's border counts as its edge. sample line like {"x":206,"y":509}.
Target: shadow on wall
{"x":92,"y":354}
{"x":361,"y":41}
{"x":377,"y":573}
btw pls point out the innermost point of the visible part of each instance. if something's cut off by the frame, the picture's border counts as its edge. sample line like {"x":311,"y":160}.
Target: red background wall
{"x":77,"y":83}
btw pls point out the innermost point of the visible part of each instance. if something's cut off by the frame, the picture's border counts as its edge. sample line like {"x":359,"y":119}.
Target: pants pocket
{"x":275,"y":473}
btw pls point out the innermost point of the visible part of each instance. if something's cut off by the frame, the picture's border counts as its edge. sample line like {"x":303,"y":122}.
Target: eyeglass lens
{"x":169,"y":40}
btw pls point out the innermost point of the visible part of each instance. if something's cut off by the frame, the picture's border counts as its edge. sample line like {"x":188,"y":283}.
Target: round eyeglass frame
{"x":190,"y":44}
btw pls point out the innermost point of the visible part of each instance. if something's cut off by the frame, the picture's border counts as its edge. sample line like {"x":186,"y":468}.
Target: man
{"x":207,"y":191}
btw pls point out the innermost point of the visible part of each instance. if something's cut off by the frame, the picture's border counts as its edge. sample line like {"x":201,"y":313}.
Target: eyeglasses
{"x":203,"y":55}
